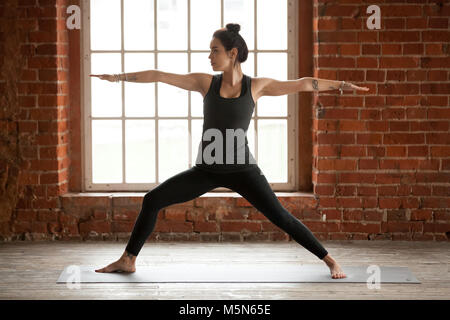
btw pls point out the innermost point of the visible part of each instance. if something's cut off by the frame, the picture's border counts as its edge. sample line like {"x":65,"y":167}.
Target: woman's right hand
{"x":108,"y":77}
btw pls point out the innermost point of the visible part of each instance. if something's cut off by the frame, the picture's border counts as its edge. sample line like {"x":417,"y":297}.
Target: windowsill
{"x":206,"y":195}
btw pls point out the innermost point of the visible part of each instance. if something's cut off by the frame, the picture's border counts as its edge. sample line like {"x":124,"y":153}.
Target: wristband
{"x":341,"y":86}
{"x":117,"y":76}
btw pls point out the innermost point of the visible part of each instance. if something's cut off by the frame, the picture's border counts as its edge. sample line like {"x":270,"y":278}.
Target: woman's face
{"x":221,"y":59}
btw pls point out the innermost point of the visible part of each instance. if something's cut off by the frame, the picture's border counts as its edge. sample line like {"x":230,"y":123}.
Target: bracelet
{"x":116,"y":77}
{"x":341,"y":86}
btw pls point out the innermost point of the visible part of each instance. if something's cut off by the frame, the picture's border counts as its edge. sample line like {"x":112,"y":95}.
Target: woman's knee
{"x":150,"y":201}
{"x":283,"y":218}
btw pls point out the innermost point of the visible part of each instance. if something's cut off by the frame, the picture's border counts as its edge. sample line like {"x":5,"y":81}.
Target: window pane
{"x":140,"y":151}
{"x":106,"y":96}
{"x":106,"y":151}
{"x":242,"y":12}
{"x":248,"y":66}
{"x":105,"y":24}
{"x":173,"y":134}
{"x":196,"y":104}
{"x":138,"y":25}
{"x":272,"y":149}
{"x":272,"y":25}
{"x":272,"y":65}
{"x":199,"y":63}
{"x":173,"y":147}
{"x":139,"y":97}
{"x":172,"y":24}
{"x":172,"y":100}
{"x":205,"y":19}
{"x":197,"y":128}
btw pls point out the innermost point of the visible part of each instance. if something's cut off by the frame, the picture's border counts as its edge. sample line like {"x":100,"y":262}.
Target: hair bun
{"x":233,"y":27}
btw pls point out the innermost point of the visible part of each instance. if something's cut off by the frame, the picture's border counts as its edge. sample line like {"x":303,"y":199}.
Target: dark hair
{"x":231,"y":38}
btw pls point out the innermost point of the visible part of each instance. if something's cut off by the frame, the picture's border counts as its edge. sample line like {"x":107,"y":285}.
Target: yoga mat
{"x":237,"y":272}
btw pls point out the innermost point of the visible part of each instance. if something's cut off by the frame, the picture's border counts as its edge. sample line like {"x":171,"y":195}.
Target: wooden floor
{"x":29,"y":270}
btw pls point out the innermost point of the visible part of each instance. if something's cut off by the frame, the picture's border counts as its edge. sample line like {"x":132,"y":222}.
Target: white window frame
{"x":292,"y":106}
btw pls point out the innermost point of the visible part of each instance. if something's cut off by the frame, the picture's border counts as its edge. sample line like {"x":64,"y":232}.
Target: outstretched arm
{"x":272,"y":87}
{"x":316,"y":84}
{"x":190,"y":81}
{"x":141,"y":76}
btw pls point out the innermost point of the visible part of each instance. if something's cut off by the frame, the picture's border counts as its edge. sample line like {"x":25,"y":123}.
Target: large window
{"x":139,"y":134}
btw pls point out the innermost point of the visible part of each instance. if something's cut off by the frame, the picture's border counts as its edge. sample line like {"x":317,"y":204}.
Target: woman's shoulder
{"x":205,"y":81}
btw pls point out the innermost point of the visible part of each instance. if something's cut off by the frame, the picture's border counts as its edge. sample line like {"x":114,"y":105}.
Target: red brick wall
{"x":35,"y":80}
{"x":380,"y":159}
{"x":381,"y":162}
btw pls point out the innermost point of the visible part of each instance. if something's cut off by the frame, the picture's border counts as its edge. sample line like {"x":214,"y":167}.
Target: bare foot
{"x":126,"y":263}
{"x":336,"y":271}
{"x":335,"y":268}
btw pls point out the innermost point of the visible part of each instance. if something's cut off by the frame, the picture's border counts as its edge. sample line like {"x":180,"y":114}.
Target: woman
{"x":229,"y":99}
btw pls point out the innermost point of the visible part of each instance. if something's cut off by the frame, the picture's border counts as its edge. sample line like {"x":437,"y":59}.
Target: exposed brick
{"x":360,"y":227}
{"x":173,"y":226}
{"x":100,"y":214}
{"x":175,"y":214}
{"x":121,"y":214}
{"x":95,"y":226}
{"x":441,"y":215}
{"x":121,"y":226}
{"x":200,"y":226}
{"x":238,"y":226}
{"x":26,"y":215}
{"x":39,"y":227}
{"x":196,"y":214}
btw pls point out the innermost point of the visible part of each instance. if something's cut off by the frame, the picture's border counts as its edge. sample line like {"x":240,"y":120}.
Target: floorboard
{"x":29,"y":270}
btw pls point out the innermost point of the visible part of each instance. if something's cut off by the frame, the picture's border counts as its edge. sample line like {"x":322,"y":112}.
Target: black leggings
{"x":193,"y":182}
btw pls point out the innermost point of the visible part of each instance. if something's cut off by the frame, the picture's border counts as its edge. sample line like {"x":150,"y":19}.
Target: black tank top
{"x":225,"y":123}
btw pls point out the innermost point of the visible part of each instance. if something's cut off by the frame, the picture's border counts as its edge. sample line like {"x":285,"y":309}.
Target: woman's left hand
{"x":349,"y":86}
